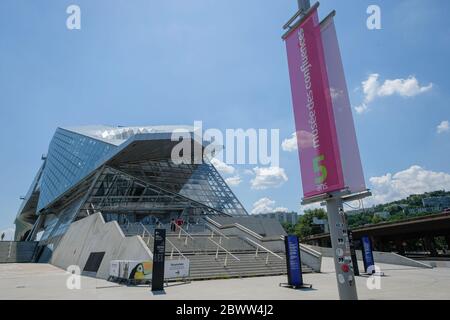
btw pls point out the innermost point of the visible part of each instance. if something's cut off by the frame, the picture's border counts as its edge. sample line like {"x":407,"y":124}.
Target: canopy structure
{"x":126,"y":173}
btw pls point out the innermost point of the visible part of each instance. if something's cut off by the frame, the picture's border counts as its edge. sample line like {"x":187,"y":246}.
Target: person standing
{"x":3,"y":236}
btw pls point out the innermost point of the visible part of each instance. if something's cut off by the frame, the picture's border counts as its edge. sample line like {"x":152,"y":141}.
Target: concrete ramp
{"x":379,"y":257}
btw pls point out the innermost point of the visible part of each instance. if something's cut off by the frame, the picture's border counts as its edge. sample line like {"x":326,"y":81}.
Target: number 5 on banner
{"x":320,"y":169}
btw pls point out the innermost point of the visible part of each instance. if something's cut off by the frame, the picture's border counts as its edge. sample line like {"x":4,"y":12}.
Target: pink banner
{"x":345,"y":128}
{"x":318,"y":147}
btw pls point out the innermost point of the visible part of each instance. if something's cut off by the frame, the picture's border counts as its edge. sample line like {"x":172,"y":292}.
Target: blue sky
{"x":222,"y":62}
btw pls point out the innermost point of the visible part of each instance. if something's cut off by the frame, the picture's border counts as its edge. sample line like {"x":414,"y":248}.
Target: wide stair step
{"x":203,"y":263}
{"x":201,"y":252}
{"x":208,"y":267}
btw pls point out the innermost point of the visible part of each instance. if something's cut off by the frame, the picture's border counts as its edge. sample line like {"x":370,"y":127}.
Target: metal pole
{"x":341,"y":249}
{"x":338,"y":233}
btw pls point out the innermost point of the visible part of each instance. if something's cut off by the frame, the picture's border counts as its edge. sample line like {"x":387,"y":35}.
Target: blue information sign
{"x":367,"y":254}
{"x":294,"y":266}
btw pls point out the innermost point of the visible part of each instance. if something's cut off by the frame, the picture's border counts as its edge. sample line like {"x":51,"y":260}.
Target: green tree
{"x":377,"y":219}
{"x":288,"y":227}
{"x":304,"y":226}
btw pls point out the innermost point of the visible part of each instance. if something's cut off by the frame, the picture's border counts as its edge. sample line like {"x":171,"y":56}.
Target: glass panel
{"x":70,"y":158}
{"x":199,"y":182}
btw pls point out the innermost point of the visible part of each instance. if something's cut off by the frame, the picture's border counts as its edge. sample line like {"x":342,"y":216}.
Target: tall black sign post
{"x":353,"y":253}
{"x":159,"y":251}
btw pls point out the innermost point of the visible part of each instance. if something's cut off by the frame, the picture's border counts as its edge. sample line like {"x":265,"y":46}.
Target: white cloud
{"x":290,"y":144}
{"x":222,"y":167}
{"x":268,"y":177}
{"x":362,"y":108}
{"x":234,"y":181}
{"x":9,"y":233}
{"x":444,"y":126}
{"x":370,"y":87}
{"x":403,"y":87}
{"x":263,"y":205}
{"x":414,"y":180}
{"x":373,"y":89}
{"x":266,"y":205}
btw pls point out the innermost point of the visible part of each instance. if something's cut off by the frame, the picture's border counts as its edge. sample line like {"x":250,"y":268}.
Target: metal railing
{"x":228,"y":253}
{"x":144,"y":231}
{"x":309,"y":250}
{"x":184,"y":231}
{"x":215,"y":230}
{"x":237,"y":225}
{"x":173,"y":247}
{"x":197,"y":227}
{"x":259,"y":246}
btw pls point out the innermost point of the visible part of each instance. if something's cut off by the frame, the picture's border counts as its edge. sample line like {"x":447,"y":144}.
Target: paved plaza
{"x":44,"y":281}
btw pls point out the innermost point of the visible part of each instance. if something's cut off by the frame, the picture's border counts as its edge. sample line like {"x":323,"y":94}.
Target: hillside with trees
{"x":399,"y":210}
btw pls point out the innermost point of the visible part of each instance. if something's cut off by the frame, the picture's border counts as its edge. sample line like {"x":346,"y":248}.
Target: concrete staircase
{"x":17,"y":252}
{"x":207,"y":267}
{"x":201,"y":252}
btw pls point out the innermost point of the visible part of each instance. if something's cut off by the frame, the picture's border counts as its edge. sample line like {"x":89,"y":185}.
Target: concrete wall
{"x":380,"y":257}
{"x":438,"y":264}
{"x":92,"y":234}
{"x":17,"y":251}
{"x":311,"y":258}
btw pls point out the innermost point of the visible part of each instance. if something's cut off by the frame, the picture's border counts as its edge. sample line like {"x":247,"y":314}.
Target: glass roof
{"x":116,"y":135}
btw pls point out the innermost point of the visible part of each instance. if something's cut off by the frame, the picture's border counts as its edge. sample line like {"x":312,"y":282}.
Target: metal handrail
{"x":250,"y":232}
{"x":144,"y":229}
{"x":309,"y":250}
{"x":215,"y":230}
{"x":167,"y":239}
{"x":226,"y":251}
{"x":174,"y":247}
{"x":264,"y":248}
{"x":190,"y":225}
{"x":179,"y":234}
{"x":212,"y":221}
{"x":239,"y":226}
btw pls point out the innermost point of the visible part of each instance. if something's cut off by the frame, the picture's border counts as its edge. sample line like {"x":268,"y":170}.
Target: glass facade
{"x":71,"y":157}
{"x":57,"y":225}
{"x":119,"y":187}
{"x":124,"y":190}
{"x":199,"y":182}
